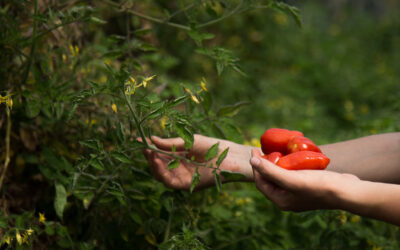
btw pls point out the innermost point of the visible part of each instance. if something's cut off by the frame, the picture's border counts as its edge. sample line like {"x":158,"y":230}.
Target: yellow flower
{"x":355,"y":218}
{"x":18,"y":237}
{"x":147,"y":79}
{"x":7,"y":240}
{"x":107,"y":61}
{"x":203,"y":84}
{"x":342,"y":217}
{"x":255,"y":142}
{"x":86,"y":203}
{"x":192,"y":96}
{"x":64,"y":57}
{"x":71,"y":50}
{"x":42,"y":219}
{"x":29,"y":231}
{"x":163,"y":122}
{"x":25,"y":238}
{"x":114,"y":107}
{"x":76,"y":50}
{"x":9,"y":102}
{"x":132,"y":80}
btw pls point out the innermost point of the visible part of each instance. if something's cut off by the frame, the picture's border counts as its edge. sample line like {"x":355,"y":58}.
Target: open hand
{"x":180,"y":178}
{"x":299,"y":190}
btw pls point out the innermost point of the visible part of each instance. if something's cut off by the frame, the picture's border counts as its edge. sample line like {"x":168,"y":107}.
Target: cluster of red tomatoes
{"x":289,"y":149}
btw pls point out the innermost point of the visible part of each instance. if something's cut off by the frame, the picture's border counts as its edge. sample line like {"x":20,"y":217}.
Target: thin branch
{"x":7,"y":141}
{"x":149,"y":18}
{"x":136,"y":119}
{"x":33,"y":48}
{"x":234,"y":11}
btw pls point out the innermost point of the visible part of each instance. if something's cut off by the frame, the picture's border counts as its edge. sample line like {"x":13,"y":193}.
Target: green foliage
{"x":83,"y":91}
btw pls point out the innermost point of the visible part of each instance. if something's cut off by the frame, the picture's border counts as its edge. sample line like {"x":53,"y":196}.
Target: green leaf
{"x":212,"y":152}
{"x":195,"y":180}
{"x":3,"y":223}
{"x":173,"y":164}
{"x":96,"y":163}
{"x":71,"y":112}
{"x":231,"y":110}
{"x":231,"y":176}
{"x":33,"y":108}
{"x":217,"y":179}
{"x":121,"y":133}
{"x":292,"y":10}
{"x":60,"y":200}
{"x":176,"y":102}
{"x":198,"y":36}
{"x":207,"y":101}
{"x":222,"y":156}
{"x":97,"y":20}
{"x":185,"y":134}
{"x":147,"y":47}
{"x":113,"y":54}
{"x":121,"y":157}
{"x":142,"y":32}
{"x":49,"y":229}
{"x":93,"y":144}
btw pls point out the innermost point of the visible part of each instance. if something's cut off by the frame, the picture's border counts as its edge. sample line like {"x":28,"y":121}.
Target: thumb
{"x":270,"y":171}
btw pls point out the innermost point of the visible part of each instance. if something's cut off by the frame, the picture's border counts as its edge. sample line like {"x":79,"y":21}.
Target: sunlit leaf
{"x":231,"y":110}
{"x":60,"y":200}
{"x":222,"y":156}
{"x":195,"y":180}
{"x":173,"y":164}
{"x":217,"y":180}
{"x":121,"y":157}
{"x":212,"y":152}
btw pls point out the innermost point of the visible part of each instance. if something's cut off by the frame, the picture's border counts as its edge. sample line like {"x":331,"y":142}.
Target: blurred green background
{"x":336,"y":78}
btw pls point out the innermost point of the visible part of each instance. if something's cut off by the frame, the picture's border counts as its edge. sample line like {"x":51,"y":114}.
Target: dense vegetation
{"x":81,"y":80}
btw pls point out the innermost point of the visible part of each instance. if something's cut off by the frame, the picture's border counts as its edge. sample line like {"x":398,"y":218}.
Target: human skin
{"x":360,"y":179}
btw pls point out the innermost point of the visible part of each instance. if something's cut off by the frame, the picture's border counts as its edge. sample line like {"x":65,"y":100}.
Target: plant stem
{"x":138,"y":124}
{"x":221,"y":18}
{"x":200,"y":164}
{"x":33,"y":48}
{"x":149,"y":18}
{"x":168,"y":229}
{"x":7,"y":141}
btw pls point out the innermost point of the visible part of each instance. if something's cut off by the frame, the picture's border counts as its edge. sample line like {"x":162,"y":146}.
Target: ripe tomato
{"x":301,"y":143}
{"x":273,"y":157}
{"x":304,"y":160}
{"x":276,"y":140}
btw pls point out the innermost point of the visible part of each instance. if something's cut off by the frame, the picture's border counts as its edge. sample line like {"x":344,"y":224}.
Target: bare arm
{"x":373,"y":158}
{"x":304,"y":190}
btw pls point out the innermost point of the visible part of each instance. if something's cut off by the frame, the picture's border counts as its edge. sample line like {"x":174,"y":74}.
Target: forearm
{"x":373,"y":158}
{"x":371,"y":199}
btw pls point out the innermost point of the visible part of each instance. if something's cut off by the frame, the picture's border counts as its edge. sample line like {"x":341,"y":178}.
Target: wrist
{"x":353,"y":196}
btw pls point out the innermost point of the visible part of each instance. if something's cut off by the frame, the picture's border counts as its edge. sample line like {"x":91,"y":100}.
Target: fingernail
{"x":255,"y":161}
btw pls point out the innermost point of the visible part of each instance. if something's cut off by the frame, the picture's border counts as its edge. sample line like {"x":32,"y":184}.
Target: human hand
{"x":237,"y":160}
{"x":299,"y":190}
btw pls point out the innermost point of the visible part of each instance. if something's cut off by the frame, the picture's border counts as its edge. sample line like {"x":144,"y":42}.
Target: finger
{"x":167,"y":143}
{"x":271,"y":172}
{"x":269,"y":189}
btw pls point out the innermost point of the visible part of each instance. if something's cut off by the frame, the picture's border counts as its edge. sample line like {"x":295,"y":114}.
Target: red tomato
{"x":273,"y":157}
{"x":301,"y":143}
{"x":304,"y":160}
{"x":276,"y":140}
